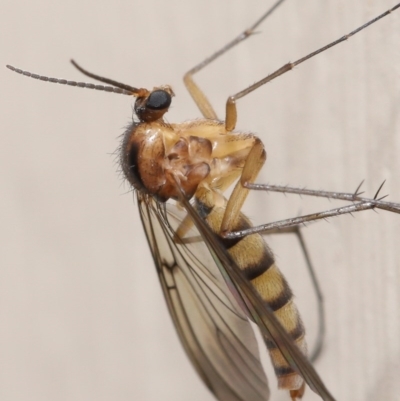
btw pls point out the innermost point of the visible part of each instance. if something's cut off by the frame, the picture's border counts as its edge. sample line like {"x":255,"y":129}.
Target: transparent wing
{"x":213,"y":328}
{"x":261,"y":314}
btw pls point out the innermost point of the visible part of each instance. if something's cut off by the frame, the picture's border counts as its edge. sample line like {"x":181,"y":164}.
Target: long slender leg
{"x":301,"y":220}
{"x":346,"y":196}
{"x":197,"y":94}
{"x":316,"y":351}
{"x":231,"y":112}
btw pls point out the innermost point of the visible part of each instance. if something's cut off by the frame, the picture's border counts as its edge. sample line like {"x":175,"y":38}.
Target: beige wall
{"x":81,"y":313}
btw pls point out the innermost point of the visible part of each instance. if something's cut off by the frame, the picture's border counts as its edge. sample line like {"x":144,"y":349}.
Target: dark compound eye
{"x":158,"y":100}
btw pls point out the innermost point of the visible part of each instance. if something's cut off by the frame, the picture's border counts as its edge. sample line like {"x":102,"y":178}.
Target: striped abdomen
{"x":256,"y":260}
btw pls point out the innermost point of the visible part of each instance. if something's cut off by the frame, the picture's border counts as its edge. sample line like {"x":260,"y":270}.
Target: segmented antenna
{"x":114,"y":89}
{"x":109,"y":81}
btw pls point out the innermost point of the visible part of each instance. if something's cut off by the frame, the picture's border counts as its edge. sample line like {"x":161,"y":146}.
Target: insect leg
{"x":315,"y":353}
{"x":196,"y":93}
{"x":231,"y":112}
{"x":295,"y":221}
{"x":253,"y":164}
{"x":346,"y":196}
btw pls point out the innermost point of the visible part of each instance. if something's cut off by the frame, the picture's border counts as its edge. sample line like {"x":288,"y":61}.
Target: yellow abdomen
{"x":256,"y":260}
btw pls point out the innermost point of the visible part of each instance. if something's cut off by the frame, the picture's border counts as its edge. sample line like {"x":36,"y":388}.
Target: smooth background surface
{"x":82,"y":316}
